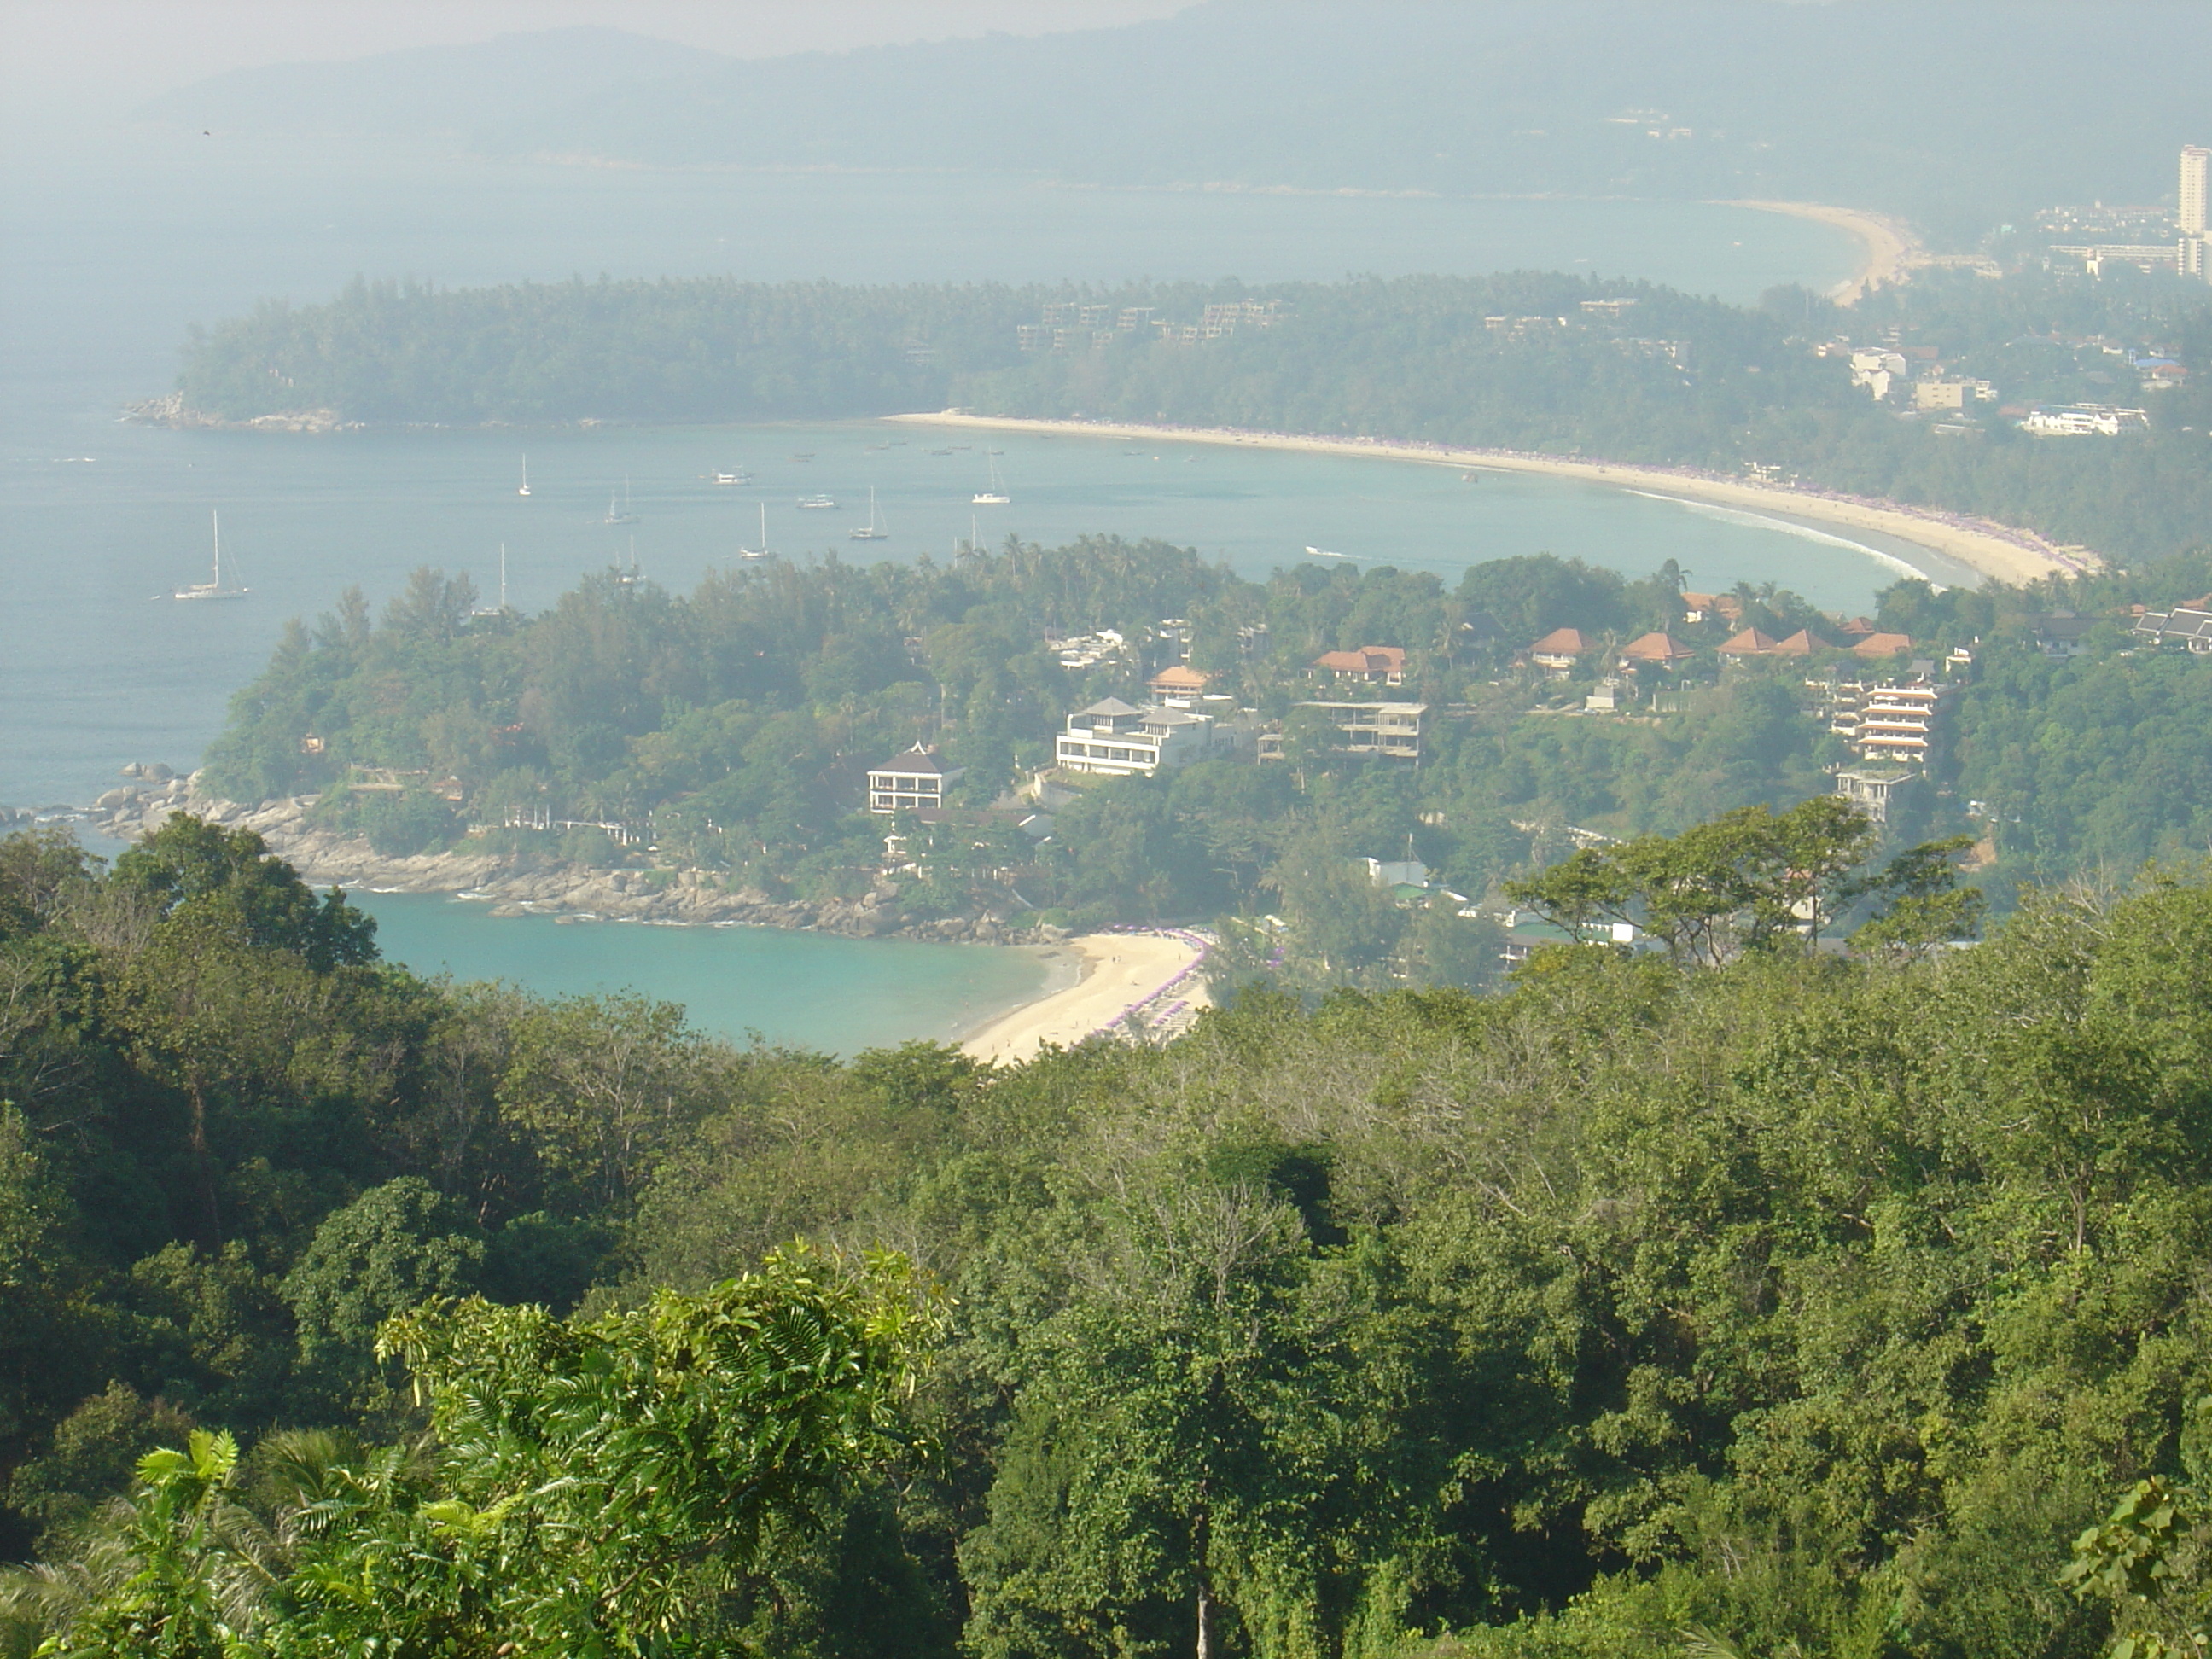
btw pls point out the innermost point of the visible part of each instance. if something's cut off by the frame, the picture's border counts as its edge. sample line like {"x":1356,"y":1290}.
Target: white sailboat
{"x":623,"y":515}
{"x":212,"y":589}
{"x":872,"y":531}
{"x":499,"y":610}
{"x":760,"y":552}
{"x":525,"y":490}
{"x":629,"y":578}
{"x":996,"y":495}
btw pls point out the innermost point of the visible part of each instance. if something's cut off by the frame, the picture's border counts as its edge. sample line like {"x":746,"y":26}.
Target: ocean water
{"x":805,"y":990}
{"x":111,"y":246}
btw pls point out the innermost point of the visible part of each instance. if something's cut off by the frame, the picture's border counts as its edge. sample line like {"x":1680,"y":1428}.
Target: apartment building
{"x":914,"y":781}
{"x":1110,"y":738}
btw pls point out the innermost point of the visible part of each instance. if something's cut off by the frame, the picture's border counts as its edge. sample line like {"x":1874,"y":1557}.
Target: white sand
{"x":1119,"y":971}
{"x":1889,"y":249}
{"x":2017,"y":557}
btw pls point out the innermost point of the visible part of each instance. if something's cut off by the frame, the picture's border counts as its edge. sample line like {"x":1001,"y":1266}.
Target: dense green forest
{"x":1511,"y":361}
{"x":1805,"y":1303}
{"x":734,"y":725}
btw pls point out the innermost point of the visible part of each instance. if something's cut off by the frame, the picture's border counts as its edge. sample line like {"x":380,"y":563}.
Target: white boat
{"x":628,"y":578}
{"x":213,"y":589}
{"x":525,"y":490}
{"x":818,"y":503}
{"x":623,"y":515}
{"x":1323,"y":553}
{"x":872,"y":531}
{"x":760,"y":552}
{"x":740,"y":476}
{"x":996,"y":495}
{"x":499,"y":610}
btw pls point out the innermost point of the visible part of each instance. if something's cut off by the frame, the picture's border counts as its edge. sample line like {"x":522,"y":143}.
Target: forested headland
{"x":731,"y":728}
{"x":1802,"y":1302}
{"x":1515,"y":362}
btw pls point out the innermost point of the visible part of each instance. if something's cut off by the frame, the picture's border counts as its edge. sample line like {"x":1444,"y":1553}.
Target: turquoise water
{"x":806,"y":990}
{"x":113,"y":247}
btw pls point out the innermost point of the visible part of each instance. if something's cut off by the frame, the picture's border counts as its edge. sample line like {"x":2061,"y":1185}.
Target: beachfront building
{"x":1112,"y":739}
{"x":913,"y":782}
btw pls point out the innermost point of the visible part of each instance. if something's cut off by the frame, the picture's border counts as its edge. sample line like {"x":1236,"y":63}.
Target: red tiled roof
{"x":1803,"y":643}
{"x":1882,"y":645}
{"x":1749,"y":643}
{"x":1561,"y":642}
{"x":1177,"y":677}
{"x":1654,"y":647}
{"x":1368,"y":660}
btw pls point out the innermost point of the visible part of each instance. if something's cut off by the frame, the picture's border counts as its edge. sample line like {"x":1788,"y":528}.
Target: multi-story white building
{"x":1110,"y":738}
{"x":1389,"y":729}
{"x":913,"y":782}
{"x":2195,"y":251}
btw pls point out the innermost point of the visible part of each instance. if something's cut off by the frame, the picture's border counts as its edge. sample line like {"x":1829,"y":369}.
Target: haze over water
{"x":114,"y":249}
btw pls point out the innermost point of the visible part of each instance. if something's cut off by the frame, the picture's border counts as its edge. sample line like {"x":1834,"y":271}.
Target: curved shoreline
{"x":1887,"y":249}
{"x":2010,"y":554}
{"x":1142,"y":981}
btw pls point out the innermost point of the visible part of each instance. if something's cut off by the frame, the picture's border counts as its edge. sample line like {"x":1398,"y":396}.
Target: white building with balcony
{"x":913,"y":782}
{"x":1111,"y":739}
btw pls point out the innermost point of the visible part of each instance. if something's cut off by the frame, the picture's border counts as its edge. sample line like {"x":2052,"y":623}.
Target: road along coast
{"x":1145,"y":985}
{"x":2009,"y":555}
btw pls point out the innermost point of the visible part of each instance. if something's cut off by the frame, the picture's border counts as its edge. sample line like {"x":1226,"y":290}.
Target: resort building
{"x":1178,"y":680}
{"x":1871,"y":788}
{"x":1112,"y":739}
{"x":913,"y":782}
{"x":1558,"y":651}
{"x":1389,"y":729}
{"x":2188,"y":625}
{"x":1654,"y":651}
{"x":1375,"y":665}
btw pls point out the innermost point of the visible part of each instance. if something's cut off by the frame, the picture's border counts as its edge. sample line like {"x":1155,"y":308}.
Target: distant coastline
{"x":2008,"y":554}
{"x":1889,"y":250}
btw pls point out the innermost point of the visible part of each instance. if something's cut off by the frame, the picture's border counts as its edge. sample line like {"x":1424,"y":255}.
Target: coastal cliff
{"x":326,"y":857}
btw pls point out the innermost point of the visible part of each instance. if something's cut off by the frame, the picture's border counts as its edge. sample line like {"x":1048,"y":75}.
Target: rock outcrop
{"x":327,"y":858}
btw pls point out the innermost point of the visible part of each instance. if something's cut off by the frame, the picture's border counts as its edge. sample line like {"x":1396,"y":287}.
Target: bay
{"x":116,"y":243}
{"x":814,"y":991}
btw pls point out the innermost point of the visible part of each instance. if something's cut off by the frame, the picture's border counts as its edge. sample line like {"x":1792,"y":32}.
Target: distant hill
{"x":432,"y":90}
{"x":1957,"y":115}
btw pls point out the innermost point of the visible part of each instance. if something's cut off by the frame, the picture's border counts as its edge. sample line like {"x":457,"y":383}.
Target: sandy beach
{"x":2013,"y":555}
{"x":1119,"y":971}
{"x":1890,"y":248}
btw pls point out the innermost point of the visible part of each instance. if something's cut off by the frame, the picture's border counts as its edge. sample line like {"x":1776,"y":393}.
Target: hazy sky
{"x":89,"y":56}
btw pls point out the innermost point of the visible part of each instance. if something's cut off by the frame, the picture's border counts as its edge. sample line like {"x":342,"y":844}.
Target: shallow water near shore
{"x":802,"y":990}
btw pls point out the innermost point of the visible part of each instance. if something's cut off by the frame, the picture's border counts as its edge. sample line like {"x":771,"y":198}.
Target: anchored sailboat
{"x":996,"y":495}
{"x":872,"y":531}
{"x":624,"y":515}
{"x":499,"y":610}
{"x":525,"y":490}
{"x":760,"y":552}
{"x":212,"y":589}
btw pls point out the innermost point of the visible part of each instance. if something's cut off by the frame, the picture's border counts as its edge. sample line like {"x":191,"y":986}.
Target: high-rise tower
{"x":2196,"y":247}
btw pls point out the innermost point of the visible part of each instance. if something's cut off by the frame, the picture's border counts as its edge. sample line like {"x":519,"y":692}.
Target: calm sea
{"x":112,"y":250}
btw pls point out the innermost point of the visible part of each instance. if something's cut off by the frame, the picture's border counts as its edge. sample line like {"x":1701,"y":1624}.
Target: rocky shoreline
{"x":695,"y":897}
{"x":171,"y":410}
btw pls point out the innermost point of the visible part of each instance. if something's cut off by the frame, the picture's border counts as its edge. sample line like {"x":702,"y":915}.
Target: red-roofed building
{"x":1803,"y":643}
{"x":1659,"y":650}
{"x":1558,"y":650}
{"x":1882,"y":645}
{"x":1749,"y":643}
{"x":1180,"y":681}
{"x":1377,"y":665}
